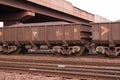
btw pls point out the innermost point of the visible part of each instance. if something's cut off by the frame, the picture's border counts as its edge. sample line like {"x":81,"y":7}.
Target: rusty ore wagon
{"x":53,"y":38}
{"x":106,"y":37}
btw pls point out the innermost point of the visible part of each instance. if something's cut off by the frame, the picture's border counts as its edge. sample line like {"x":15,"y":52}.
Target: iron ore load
{"x":37,"y":38}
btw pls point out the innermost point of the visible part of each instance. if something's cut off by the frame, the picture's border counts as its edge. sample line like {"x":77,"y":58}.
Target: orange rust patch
{"x":1,"y":33}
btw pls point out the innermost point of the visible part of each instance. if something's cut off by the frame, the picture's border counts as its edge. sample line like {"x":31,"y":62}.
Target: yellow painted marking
{"x":105,"y":30}
{"x":1,"y":33}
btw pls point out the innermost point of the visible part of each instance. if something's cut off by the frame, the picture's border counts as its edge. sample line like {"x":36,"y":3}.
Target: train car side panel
{"x":27,"y":33}
{"x":42,"y":35}
{"x":95,"y":32}
{"x":106,"y":32}
{"x":72,"y":33}
{"x":20,"y":34}
{"x":55,"y":33}
{"x":76,"y":31}
{"x":59,"y":33}
{"x":115,"y":33}
{"x":100,"y":32}
{"x":104,"y":28}
{"x":38,"y":34}
{"x":109,"y":41}
{"x":51,"y":33}
{"x":35,"y":34}
{"x":9,"y":34}
{"x":67,"y":32}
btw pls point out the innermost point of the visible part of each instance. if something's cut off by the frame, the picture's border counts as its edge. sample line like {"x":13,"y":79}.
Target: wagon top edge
{"x":42,"y":24}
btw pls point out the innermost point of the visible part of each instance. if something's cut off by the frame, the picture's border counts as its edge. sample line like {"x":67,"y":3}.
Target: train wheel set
{"x":57,"y":50}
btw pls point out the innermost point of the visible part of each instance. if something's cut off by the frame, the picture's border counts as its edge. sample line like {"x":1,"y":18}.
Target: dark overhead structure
{"x":32,"y":11}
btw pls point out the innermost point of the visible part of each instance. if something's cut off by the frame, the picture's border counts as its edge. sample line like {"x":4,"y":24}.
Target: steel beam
{"x":25,"y":5}
{"x":18,"y":16}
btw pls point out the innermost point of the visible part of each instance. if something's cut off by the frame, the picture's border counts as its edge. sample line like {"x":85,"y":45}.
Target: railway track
{"x":89,"y":60}
{"x":62,"y":65}
{"x":111,"y":73}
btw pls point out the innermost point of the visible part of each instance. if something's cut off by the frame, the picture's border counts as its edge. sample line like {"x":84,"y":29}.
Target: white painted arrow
{"x":34,"y":33}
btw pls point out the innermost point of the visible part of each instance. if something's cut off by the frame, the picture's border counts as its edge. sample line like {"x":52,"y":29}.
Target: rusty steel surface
{"x":42,"y":14}
{"x":106,"y":32}
{"x":64,"y":6}
{"x":22,"y":15}
{"x":70,"y":33}
{"x":59,"y":70}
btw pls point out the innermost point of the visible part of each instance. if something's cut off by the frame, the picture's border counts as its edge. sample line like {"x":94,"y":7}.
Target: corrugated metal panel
{"x":48,"y":33}
{"x":42,"y":34}
{"x":72,"y":32}
{"x":95,"y":32}
{"x":109,"y":32}
{"x":27,"y":33}
{"x":9,"y":34}
{"x":59,"y":33}
{"x":76,"y":32}
{"x":51,"y":32}
{"x":67,"y":32}
{"x":99,"y":32}
{"x":104,"y":35}
{"x":115,"y":28}
{"x":20,"y":33}
{"x":35,"y":34}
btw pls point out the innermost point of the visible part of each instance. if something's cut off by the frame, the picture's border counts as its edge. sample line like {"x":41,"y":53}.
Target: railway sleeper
{"x":109,"y":51}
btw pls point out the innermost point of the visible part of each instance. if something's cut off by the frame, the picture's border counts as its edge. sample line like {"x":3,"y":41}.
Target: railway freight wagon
{"x":106,"y":37}
{"x":58,"y":39}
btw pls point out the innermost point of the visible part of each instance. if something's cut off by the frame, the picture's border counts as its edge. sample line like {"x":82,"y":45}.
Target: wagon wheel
{"x":111,"y":54}
{"x":6,"y":51}
{"x":57,"y":50}
{"x":57,"y":54}
{"x":11,"y":50}
{"x":17,"y":51}
{"x":80,"y":53}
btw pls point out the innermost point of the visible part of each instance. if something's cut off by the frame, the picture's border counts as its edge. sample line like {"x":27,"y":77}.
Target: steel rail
{"x":66,"y":70}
